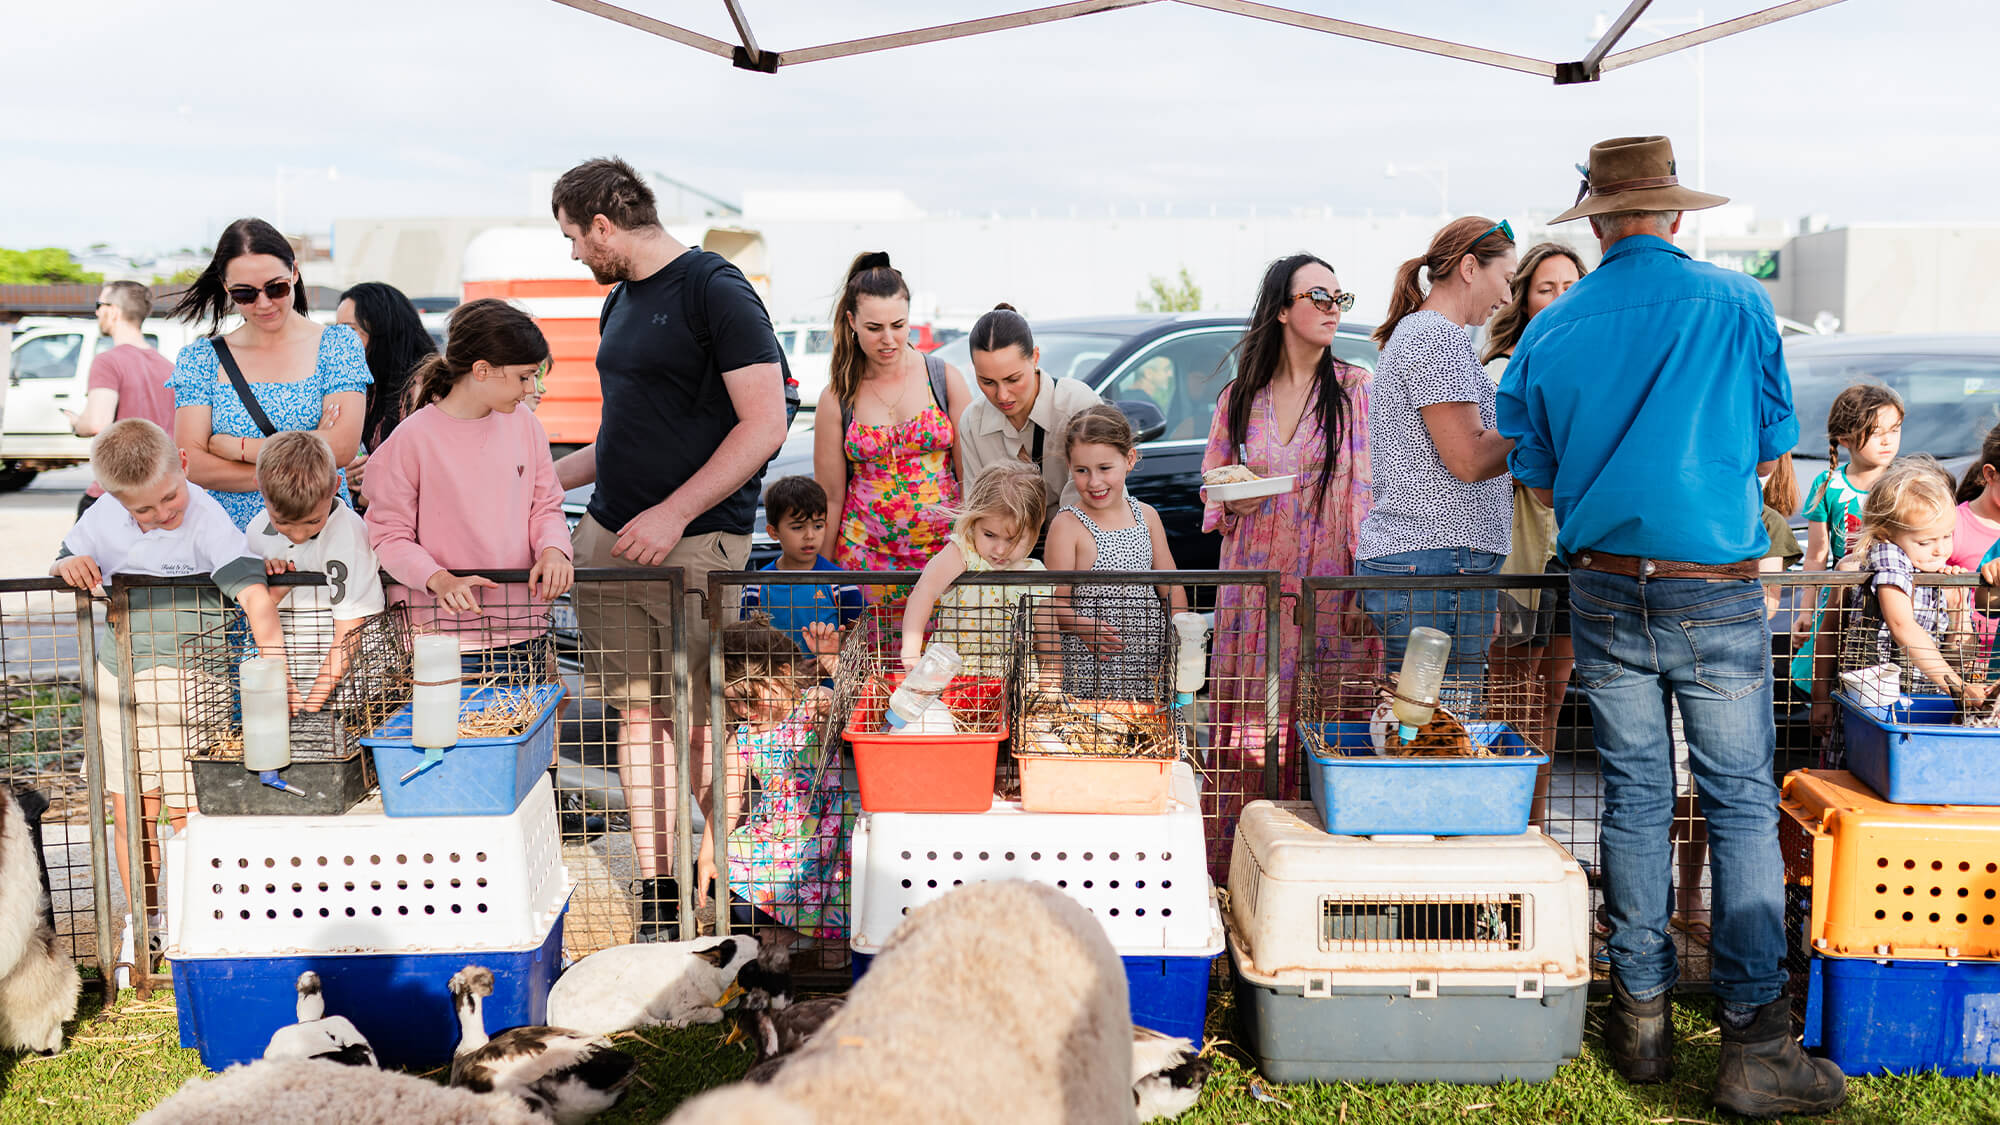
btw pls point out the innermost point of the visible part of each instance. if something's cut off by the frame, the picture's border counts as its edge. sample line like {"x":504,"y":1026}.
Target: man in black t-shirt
{"x":694,"y":408}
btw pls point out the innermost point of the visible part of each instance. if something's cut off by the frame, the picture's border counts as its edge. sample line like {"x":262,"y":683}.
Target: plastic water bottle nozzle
{"x":894,"y":721}
{"x":1408,"y":732}
{"x":271,"y":778}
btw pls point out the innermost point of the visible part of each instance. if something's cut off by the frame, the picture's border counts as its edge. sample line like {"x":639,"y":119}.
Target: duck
{"x":317,"y":1035}
{"x":647,"y":984}
{"x":770,"y":1019}
{"x":564,"y":1075}
{"x":1167,"y":1074}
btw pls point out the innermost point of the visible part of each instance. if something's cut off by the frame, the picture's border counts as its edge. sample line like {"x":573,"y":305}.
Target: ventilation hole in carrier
{"x":218,"y":888}
{"x":931,"y":883}
{"x":983,"y":856}
{"x":242,"y":888}
{"x":958,"y":855}
{"x":1062,"y":857}
{"x":216,"y":862}
{"x":1880,"y":915}
{"x":454,"y":857}
{"x":930,"y":855}
{"x":1936,"y":891}
{"x":270,"y":862}
{"x":245,"y":914}
{"x":1035,"y":856}
{"x":479,"y":857}
{"x":482,"y":908}
{"x":1114,"y":912}
{"x":1062,"y":883}
{"x":271,"y":914}
{"x":1961,"y":919}
{"x":1086,"y":857}
{"x":1139,"y":912}
{"x":1087,"y":884}
{"x":218,"y":915}
{"x":906,"y":855}
{"x":1881,"y":888}
{"x":428,"y":858}
{"x":1882,"y":861}
{"x":456,"y":908}
{"x":1008,"y":856}
{"x":297,"y":862}
{"x":402,"y":859}
{"x":1909,"y":917}
{"x":242,"y":863}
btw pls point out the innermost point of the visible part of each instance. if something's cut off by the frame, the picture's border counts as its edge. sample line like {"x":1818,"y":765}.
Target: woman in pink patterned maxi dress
{"x":1297,"y":394}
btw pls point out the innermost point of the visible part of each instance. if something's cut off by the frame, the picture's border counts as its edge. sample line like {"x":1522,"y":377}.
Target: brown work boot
{"x":1639,"y":1034}
{"x":1764,"y":1072}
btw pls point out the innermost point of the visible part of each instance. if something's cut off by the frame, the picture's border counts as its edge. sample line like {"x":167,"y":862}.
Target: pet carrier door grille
{"x":1424,"y":923}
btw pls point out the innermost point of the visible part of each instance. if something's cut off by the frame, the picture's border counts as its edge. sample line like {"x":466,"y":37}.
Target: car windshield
{"x":1064,"y":354}
{"x":1950,"y":401}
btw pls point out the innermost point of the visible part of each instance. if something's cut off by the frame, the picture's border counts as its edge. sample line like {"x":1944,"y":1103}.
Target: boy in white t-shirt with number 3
{"x":305,"y":527}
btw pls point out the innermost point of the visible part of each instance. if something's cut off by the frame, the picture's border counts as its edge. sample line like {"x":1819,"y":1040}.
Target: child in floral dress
{"x":788,"y":849}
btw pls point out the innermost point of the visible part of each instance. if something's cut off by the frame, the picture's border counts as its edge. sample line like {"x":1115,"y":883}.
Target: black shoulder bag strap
{"x":242,"y":386}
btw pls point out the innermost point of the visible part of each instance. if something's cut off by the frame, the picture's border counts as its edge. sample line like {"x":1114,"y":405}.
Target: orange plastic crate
{"x":1898,"y":881}
{"x":930,"y":772}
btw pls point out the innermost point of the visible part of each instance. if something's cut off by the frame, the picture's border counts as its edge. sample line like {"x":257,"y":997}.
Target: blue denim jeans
{"x":1708,"y":646}
{"x":1469,"y":617}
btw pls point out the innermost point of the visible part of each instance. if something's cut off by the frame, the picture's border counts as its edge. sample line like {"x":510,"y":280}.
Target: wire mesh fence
{"x":49,"y":649}
{"x":635,"y":799}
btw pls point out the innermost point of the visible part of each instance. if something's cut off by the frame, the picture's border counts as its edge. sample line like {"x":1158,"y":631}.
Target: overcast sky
{"x":151,"y":126}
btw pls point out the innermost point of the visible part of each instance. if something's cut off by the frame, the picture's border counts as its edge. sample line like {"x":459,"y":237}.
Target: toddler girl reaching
{"x":1906,"y":528}
{"x":1114,"y":638}
{"x":995,"y":530}
{"x":466,"y":483}
{"x":787,"y":852}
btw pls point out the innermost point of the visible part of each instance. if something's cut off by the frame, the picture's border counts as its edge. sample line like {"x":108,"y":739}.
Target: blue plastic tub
{"x":230,"y":1006}
{"x":479,"y":776}
{"x":1358,"y":792}
{"x":1914,"y":755}
{"x":1901,"y":1017}
{"x":1168,"y":994}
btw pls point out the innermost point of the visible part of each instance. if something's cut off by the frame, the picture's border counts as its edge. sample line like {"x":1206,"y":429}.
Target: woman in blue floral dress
{"x":301,"y":376}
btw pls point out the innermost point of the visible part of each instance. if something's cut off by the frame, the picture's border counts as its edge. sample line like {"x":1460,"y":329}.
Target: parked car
{"x":49,"y":372}
{"x":1950,"y":385}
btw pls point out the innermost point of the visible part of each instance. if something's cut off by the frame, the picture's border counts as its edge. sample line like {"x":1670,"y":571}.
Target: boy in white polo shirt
{"x":153,"y":521}
{"x":305,"y":527}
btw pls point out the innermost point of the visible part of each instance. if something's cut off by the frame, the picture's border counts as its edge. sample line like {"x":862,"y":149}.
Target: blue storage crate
{"x":1914,"y":754}
{"x":1901,"y":1017}
{"x":229,"y":1007}
{"x":1167,"y":994}
{"x":479,"y":776}
{"x":1358,"y":792}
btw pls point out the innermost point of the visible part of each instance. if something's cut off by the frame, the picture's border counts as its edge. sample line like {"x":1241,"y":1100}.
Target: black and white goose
{"x":1167,"y":1073}
{"x":318,"y":1035}
{"x":564,"y":1075}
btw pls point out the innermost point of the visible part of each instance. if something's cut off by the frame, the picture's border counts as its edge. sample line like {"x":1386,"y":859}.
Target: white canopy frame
{"x":748,"y":54}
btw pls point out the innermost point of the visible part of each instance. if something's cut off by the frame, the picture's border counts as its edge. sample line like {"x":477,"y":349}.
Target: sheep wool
{"x":675,"y":983}
{"x":38,"y":984}
{"x":998,"y":999}
{"x":320,"y":1092}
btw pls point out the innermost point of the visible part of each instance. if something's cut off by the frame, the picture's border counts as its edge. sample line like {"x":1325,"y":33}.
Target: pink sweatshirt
{"x":449,"y":494}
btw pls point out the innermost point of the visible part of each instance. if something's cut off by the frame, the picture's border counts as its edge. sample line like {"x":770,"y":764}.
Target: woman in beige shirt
{"x":1024,"y":413}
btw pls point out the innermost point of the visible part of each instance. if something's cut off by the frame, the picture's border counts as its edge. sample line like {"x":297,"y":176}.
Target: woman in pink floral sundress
{"x":1293,"y":395}
{"x":883,"y":430}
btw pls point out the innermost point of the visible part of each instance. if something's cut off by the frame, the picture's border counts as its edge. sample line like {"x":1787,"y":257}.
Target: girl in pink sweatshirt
{"x":466,"y":483}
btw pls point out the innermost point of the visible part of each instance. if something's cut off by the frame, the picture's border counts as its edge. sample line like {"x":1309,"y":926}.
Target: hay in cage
{"x":373,"y":686}
{"x":510,"y":712}
{"x":1865,"y":643}
{"x":1059,"y":725}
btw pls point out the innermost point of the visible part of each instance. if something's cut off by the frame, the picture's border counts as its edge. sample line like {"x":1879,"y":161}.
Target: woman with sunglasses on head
{"x":1443,"y":501}
{"x":276,"y":371}
{"x":1293,"y":409}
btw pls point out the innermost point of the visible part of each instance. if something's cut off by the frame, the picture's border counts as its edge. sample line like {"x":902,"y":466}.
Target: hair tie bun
{"x":1005,"y":307}
{"x":877,"y":260}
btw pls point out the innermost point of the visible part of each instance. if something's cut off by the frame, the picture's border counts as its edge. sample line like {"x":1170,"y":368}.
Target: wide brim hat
{"x":1634,"y":174}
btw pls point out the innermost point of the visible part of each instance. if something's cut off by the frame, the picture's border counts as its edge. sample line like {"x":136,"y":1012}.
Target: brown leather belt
{"x":1607,"y":563}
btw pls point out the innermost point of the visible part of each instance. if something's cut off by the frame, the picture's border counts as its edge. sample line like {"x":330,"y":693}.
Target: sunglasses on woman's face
{"x":1324,"y":301}
{"x":246,"y":295}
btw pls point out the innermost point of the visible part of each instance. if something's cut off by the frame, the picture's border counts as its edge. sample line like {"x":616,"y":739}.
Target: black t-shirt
{"x":666,"y":409}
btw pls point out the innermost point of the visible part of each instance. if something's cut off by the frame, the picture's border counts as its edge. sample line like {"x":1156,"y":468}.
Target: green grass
{"x":121,"y":1062}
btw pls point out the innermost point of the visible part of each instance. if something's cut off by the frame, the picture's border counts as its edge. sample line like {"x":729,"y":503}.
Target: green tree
{"x":178,"y":277}
{"x":48,"y":265}
{"x":1184,"y":296}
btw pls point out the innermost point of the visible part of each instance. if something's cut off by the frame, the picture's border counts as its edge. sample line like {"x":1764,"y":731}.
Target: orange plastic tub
{"x":1891,"y":881}
{"x":1075,"y":783}
{"x":930,"y":772}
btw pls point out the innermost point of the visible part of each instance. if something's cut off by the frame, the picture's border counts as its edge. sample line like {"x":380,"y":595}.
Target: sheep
{"x":1000,"y":999}
{"x":323,"y":1092}
{"x":38,"y":984}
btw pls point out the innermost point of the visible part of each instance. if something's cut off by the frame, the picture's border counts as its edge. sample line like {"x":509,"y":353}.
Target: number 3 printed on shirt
{"x":336,"y":575}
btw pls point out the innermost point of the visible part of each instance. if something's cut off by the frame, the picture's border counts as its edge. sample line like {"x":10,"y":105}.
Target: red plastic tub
{"x":931,"y":772}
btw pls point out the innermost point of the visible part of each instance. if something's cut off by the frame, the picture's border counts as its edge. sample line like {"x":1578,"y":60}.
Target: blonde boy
{"x":152,"y":520}
{"x":304,"y":526}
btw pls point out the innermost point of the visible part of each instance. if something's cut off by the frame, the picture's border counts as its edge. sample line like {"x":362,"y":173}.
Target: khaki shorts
{"x":627,"y":627}
{"x":160,"y":698}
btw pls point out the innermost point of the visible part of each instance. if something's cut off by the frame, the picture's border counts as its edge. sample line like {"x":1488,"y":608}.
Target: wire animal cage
{"x":353,"y":684}
{"x":1865,"y":642}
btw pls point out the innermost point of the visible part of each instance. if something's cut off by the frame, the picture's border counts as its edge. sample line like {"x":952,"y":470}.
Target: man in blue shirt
{"x":1643,"y":405}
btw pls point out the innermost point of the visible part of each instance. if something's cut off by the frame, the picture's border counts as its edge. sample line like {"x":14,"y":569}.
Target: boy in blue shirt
{"x":814,"y":615}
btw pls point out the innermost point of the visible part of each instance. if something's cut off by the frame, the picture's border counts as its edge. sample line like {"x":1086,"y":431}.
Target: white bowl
{"x":1252,"y":489}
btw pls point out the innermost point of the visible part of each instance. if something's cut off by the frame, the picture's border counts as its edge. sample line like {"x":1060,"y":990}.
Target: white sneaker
{"x":123,"y":977}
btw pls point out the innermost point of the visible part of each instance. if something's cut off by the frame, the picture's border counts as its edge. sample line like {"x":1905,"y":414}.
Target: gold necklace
{"x":902,"y":390}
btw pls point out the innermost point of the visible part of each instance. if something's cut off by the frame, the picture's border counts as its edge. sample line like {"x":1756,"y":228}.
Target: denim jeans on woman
{"x":1469,"y":617}
{"x":1708,"y":645}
